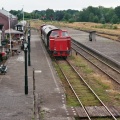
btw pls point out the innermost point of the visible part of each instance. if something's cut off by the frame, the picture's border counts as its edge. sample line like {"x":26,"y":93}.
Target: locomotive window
{"x":65,"y":34}
{"x":54,"y":34}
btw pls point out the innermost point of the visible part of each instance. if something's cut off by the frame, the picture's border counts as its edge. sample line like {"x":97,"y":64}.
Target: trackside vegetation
{"x":90,"y":14}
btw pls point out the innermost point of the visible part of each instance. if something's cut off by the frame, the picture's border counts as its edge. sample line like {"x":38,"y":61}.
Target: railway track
{"x":76,"y":82}
{"x":107,"y":69}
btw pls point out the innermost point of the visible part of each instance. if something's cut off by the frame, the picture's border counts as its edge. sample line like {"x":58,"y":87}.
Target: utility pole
{"x":9,"y":17}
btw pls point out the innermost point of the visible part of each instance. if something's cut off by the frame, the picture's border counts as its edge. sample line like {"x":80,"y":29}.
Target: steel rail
{"x":96,"y":58}
{"x":92,"y":91}
{"x":75,"y":94}
{"x":99,"y":67}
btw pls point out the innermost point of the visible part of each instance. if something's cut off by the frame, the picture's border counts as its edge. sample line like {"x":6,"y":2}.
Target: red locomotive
{"x":56,"y":40}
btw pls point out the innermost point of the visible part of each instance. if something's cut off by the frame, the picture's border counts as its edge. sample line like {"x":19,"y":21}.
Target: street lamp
{"x":29,"y":62}
{"x":26,"y":76}
{"x":29,"y":31}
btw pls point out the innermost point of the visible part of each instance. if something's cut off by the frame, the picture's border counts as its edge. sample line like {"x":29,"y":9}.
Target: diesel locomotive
{"x":57,"y":41}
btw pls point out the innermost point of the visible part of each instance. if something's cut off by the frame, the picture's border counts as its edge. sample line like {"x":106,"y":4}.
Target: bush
{"x":107,"y":26}
{"x":115,"y":27}
{"x":71,"y":21}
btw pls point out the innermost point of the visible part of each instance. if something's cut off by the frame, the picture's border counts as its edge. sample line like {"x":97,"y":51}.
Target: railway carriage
{"x":57,"y":41}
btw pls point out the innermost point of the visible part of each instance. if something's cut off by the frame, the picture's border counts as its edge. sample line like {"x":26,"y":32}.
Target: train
{"x":57,"y":41}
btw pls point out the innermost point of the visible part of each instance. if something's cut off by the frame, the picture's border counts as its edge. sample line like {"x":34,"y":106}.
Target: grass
{"x":99,"y":83}
{"x":71,"y":101}
{"x":86,"y":26}
{"x":82,"y":91}
{"x":106,"y":26}
{"x":70,"y":98}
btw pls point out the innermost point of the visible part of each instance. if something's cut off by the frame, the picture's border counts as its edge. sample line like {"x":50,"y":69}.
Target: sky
{"x":30,"y":5}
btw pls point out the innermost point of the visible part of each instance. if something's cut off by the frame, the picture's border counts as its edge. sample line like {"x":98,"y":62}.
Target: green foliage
{"x":115,"y":27}
{"x":89,"y":14}
{"x":117,"y":11}
{"x":50,"y":14}
{"x":71,"y":20}
{"x":106,"y":26}
{"x":96,"y":19}
{"x":114,"y":19}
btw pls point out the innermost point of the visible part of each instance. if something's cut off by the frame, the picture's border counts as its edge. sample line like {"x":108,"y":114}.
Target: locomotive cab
{"x":59,"y":43}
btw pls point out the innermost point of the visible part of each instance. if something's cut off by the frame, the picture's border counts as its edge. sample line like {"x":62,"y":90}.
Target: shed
{"x":19,"y":27}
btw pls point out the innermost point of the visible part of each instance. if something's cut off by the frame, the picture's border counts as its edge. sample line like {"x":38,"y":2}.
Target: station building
{"x":5,"y":18}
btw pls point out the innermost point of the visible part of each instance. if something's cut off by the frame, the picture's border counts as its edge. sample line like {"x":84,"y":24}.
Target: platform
{"x":14,"y":104}
{"x":108,"y":47}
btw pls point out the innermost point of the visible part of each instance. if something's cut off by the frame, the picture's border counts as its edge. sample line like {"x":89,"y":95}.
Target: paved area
{"x":14,"y":104}
{"x":105,"y":46}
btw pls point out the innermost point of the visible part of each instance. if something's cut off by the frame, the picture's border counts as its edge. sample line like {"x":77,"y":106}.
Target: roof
{"x":48,"y":28}
{"x":21,"y":23}
{"x":7,"y":14}
{"x":12,"y":31}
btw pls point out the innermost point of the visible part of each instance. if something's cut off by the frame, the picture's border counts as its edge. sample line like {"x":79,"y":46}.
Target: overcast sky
{"x":30,"y":5}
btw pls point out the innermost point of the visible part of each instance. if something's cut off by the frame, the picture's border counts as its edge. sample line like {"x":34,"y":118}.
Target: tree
{"x":59,"y":15}
{"x":114,"y":19}
{"x":91,"y":17}
{"x":96,"y":19}
{"x":109,"y":14}
{"x":42,"y":14}
{"x":89,"y":14}
{"x":50,"y":14}
{"x":67,"y":16}
{"x":27,"y":15}
{"x":35,"y":14}
{"x":17,"y":13}
{"x":117,"y":11}
{"x":102,"y":14}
